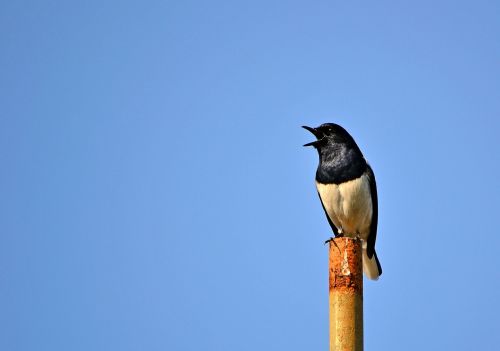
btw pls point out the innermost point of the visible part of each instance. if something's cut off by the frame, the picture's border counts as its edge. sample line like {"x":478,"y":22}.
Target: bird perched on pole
{"x":347,"y":190}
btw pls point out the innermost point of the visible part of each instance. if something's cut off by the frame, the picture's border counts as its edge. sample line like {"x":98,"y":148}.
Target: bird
{"x":347,"y":190}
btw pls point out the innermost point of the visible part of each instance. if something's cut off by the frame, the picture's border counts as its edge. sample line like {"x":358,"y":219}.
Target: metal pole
{"x":346,"y":295}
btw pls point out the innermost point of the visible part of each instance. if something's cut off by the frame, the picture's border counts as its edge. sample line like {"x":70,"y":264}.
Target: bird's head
{"x":329,"y":134}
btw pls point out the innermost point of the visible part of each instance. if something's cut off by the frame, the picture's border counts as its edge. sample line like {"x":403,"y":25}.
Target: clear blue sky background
{"x":155,"y":194}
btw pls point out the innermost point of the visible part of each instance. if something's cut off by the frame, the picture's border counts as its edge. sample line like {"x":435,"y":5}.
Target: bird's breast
{"x":349,"y":205}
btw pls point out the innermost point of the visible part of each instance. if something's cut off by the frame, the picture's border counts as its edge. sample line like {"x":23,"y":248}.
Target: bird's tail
{"x":371,"y":266}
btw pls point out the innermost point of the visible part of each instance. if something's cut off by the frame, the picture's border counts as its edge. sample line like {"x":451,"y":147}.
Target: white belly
{"x":349,"y":205}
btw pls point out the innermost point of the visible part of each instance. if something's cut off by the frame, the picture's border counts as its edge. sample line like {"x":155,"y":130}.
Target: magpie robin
{"x":347,"y":190}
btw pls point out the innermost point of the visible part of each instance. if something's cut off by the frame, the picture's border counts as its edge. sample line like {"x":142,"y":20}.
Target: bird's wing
{"x":373,"y":227}
{"x":334,"y":228}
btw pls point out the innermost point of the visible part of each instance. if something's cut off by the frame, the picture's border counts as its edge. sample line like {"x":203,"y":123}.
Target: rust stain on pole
{"x":346,"y":295}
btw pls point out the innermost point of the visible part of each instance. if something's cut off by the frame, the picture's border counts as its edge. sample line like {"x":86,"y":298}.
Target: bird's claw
{"x":340,"y":235}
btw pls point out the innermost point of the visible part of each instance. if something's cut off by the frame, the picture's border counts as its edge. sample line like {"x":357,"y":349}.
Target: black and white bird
{"x":347,"y":190}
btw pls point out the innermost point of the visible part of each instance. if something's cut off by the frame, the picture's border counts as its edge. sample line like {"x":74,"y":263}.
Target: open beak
{"x":316,"y":133}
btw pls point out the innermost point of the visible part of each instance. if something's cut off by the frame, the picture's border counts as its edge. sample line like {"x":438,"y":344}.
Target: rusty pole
{"x":346,"y":295}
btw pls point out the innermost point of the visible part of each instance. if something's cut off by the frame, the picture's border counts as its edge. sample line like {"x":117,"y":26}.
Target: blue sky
{"x":156,"y":196}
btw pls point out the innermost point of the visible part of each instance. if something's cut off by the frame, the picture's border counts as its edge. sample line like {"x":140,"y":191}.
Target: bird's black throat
{"x":339,"y":163}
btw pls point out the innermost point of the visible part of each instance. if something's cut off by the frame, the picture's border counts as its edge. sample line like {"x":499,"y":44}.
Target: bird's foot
{"x":340,"y":235}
